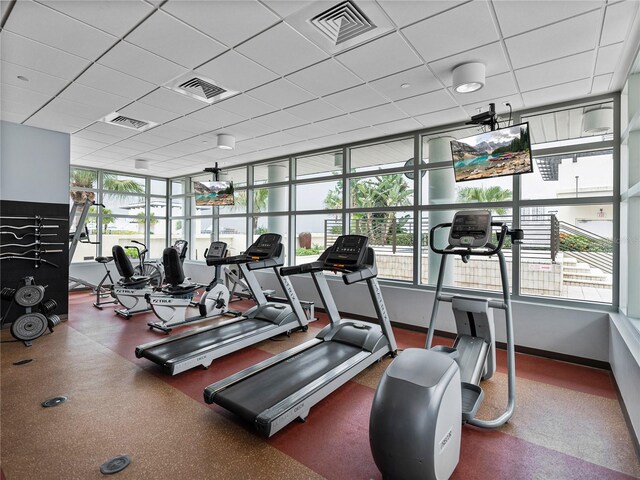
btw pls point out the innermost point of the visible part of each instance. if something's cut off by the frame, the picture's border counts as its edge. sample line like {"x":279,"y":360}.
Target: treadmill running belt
{"x":162,"y":353}
{"x":255,"y":394}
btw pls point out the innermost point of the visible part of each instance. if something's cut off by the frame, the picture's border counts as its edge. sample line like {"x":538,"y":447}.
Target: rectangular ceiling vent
{"x":201,"y":88}
{"x":127,"y":122}
{"x":342,"y":22}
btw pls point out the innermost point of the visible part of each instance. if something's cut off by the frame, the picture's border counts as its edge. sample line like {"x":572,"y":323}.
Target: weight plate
{"x":115,"y":464}
{"x":29,"y":295}
{"x":29,"y":326}
{"x":54,"y":402}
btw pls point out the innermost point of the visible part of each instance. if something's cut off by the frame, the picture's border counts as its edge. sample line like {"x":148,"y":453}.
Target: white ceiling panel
{"x":538,"y":13}
{"x":442,"y":117}
{"x":236,"y":71}
{"x":111,"y":130}
{"x":601,"y":83}
{"x":246,"y":106}
{"x":54,"y":120}
{"x":174,"y":102}
{"x":189,"y":124}
{"x":228,"y":21}
{"x":280,"y":120}
{"x":405,"y":84}
{"x":324,"y":78}
{"x":558,"y":40}
{"x":279,"y":138}
{"x":75,"y":109}
{"x":287,"y":7}
{"x":37,"y":81}
{"x":314,"y":111}
{"x":17,"y":94}
{"x":341,"y":124}
{"x":608,"y":58}
{"x":379,"y":58}
{"x":16,"y":112}
{"x":97,"y":136}
{"x":171,"y":132}
{"x":216,"y":117}
{"x":48,"y":26}
{"x":93,"y":145}
{"x":249,"y":129}
{"x":281,"y":93}
{"x":404,"y":12}
{"x":555,"y":72}
{"x":427,"y":102}
{"x":357,"y":98}
{"x":435,"y":37}
{"x":97,"y":98}
{"x":492,"y":56}
{"x":617,"y":21}
{"x":128,"y":58}
{"x":282,"y":50}
{"x":112,"y":81}
{"x":23,"y":51}
{"x":142,"y":111}
{"x":140,"y":147}
{"x":114,"y":18}
{"x":380,"y":114}
{"x":557,"y":93}
{"x":308,"y":131}
{"x":398,"y":126}
{"x":174,"y":40}
{"x":495,"y":87}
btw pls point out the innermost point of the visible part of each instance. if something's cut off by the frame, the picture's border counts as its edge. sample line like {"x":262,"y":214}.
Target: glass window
{"x":314,"y":234}
{"x":382,"y":155}
{"x":275,"y":199}
{"x":318,"y":196}
{"x":439,"y":187}
{"x":116,"y":182}
{"x":320,"y":165}
{"x":236,"y":175}
{"x":158,"y":187}
{"x":201,"y":234}
{"x":88,"y":251}
{"x":177,"y":206}
{"x":271,"y":172}
{"x":239,"y":206}
{"x":83,"y":178}
{"x":272,"y":224}
{"x":179,"y":229}
{"x":394,"y":190}
{"x":177,"y":187}
{"x":233,"y":231}
{"x":122,"y":204}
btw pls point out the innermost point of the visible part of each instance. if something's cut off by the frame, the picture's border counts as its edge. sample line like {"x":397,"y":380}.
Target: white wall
{"x":27,"y":150}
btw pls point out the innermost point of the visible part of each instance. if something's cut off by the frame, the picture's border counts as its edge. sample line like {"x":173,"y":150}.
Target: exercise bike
{"x":425,"y":395}
{"x":170,"y":306}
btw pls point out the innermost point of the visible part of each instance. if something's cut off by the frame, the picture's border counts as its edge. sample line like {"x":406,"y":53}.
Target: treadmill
{"x":201,"y":346}
{"x":273,"y":393}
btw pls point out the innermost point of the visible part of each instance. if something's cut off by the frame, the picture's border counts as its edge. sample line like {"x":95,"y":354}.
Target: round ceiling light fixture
{"x":468,"y":77}
{"x":226,"y":141}
{"x":598,"y":121}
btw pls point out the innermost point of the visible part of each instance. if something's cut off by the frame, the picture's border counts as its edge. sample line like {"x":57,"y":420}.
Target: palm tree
{"x":260,"y":200}
{"x":88,"y":178}
{"x":485,"y":195}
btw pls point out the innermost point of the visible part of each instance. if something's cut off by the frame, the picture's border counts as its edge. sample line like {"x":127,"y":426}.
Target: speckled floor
{"x":568,"y":422}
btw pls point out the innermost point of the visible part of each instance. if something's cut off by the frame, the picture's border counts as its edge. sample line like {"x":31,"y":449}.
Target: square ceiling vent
{"x":201,"y":88}
{"x":127,"y":122}
{"x":342,"y":25}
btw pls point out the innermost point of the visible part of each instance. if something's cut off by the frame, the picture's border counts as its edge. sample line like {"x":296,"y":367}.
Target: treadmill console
{"x":217,"y":250}
{"x":266,"y":246}
{"x":348,"y":251}
{"x":470,"y":229}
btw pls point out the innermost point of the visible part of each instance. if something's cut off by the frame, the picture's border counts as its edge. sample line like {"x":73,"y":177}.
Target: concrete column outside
{"x":277,"y":199}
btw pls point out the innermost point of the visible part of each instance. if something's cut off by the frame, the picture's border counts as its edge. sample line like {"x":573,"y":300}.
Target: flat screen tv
{"x":506,"y":151}
{"x":210,"y":194}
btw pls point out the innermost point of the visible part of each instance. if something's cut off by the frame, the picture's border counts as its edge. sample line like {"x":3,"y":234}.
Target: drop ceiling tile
{"x":404,"y":12}
{"x":315,"y":111}
{"x":19,"y":94}
{"x":174,"y":40}
{"x":120,"y":150}
{"x":112,"y":130}
{"x":309,"y":131}
{"x":174,"y":102}
{"x":52,"y":28}
{"x":112,"y":81}
{"x":357,"y":98}
{"x":442,"y":117}
{"x":495,"y":87}
{"x":381,"y":114}
{"x":116,"y":20}
{"x":557,"y":93}
{"x":281,"y":94}
{"x":171,"y":132}
{"x":280,"y":120}
{"x":555,"y":41}
{"x":236,"y":71}
{"x":417,"y":80}
{"x":97,"y":98}
{"x":249,"y":129}
{"x":216,"y":117}
{"x":538,"y":13}
{"x":128,"y":58}
{"x":228,"y":21}
{"x":245,"y":106}
{"x":492,"y":56}
{"x":79,"y":110}
{"x":398,"y":126}
{"x":501,"y":109}
{"x":16,"y":112}
{"x":135,"y":144}
{"x":23,"y":51}
{"x":617,"y":20}
{"x":97,"y":136}
{"x":425,"y":103}
{"x":435,"y":37}
{"x":285,"y":8}
{"x":93,"y":145}
{"x":38,"y":81}
{"x":324,"y":78}
{"x":601,"y":83}
{"x":555,"y":72}
{"x":381,"y":57}
{"x":343,"y":123}
{"x":56,"y":121}
{"x":190,"y":124}
{"x":142,"y":111}
{"x":608,"y":58}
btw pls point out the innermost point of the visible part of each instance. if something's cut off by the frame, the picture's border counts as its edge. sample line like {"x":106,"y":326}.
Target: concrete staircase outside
{"x":580,"y":274}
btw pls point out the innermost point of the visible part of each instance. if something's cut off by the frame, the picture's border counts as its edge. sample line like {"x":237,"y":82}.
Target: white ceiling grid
{"x":86,"y":59}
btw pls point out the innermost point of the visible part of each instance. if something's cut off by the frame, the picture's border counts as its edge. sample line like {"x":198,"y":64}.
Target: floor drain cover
{"x":115,"y":465}
{"x":23,"y":362}
{"x":54,"y":402}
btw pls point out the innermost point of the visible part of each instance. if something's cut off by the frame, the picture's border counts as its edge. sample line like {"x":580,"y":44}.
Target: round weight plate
{"x":115,"y":464}
{"x":54,"y":402}
{"x":29,"y":326}
{"x":29,"y":295}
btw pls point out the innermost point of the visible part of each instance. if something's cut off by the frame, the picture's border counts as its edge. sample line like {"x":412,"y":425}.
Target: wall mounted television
{"x":506,"y":151}
{"x":209,"y":194}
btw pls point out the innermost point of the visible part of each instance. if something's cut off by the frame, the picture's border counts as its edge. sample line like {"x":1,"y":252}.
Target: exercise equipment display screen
{"x":217,"y":249}
{"x":470,"y":229}
{"x":265,"y":246}
{"x":348,"y":250}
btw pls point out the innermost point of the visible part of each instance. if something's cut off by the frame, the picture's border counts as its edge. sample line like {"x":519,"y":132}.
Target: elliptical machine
{"x":171,"y":305}
{"x":425,"y":395}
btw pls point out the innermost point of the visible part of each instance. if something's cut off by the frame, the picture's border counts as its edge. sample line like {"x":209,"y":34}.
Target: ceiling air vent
{"x":200,"y":88}
{"x":342,"y":22}
{"x":127,"y":122}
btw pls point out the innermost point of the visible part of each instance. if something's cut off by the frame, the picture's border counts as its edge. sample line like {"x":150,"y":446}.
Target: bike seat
{"x":103,"y":259}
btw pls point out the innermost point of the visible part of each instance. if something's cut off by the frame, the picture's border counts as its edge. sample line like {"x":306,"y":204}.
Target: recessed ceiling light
{"x":23,"y":78}
{"x":405,"y":85}
{"x":468,"y":77}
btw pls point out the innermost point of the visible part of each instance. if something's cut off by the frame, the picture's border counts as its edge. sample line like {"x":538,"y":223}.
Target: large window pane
{"x":177,"y":206}
{"x":122,"y":204}
{"x":274,"y":199}
{"x":83,"y":184}
{"x":158,"y":187}
{"x":568,"y":252}
{"x":271,"y":172}
{"x":318,"y":196}
{"x":439,"y":187}
{"x":116,"y":182}
{"x":236,"y":175}
{"x":320,"y":165}
{"x":382,"y":155}
{"x":177,"y":187}
{"x":179,"y":229}
{"x":375,"y":192}
{"x":233,"y":231}
{"x":201,"y":234}
{"x":314,"y":234}
{"x":239,"y":205}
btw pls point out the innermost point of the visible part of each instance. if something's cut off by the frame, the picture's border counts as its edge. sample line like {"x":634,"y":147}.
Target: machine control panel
{"x":181,"y":247}
{"x":470,"y":229}
{"x":348,"y":250}
{"x":217,"y":250}
{"x":266,"y":246}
